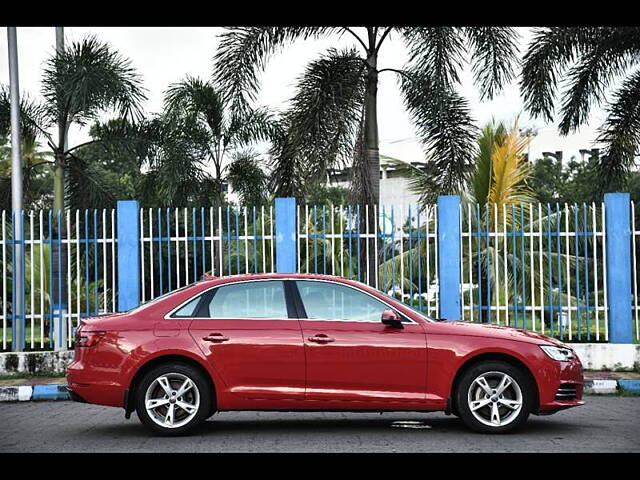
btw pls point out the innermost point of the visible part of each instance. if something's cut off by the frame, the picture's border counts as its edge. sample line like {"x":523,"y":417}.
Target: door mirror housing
{"x":391,"y":318}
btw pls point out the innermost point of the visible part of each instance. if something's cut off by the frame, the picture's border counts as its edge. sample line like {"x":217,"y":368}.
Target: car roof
{"x":211,"y":280}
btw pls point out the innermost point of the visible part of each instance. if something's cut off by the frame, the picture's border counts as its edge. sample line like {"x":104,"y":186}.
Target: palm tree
{"x":248,"y":179}
{"x":498,"y":183}
{"x":589,"y":60}
{"x":222,"y":130}
{"x":333,"y":115}
{"x":79,"y":83}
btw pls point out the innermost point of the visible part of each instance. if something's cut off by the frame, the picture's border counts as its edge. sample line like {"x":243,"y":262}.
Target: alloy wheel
{"x":495,"y":398}
{"x":172,"y":400}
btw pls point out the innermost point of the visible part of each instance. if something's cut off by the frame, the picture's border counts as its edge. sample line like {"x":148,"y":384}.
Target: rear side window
{"x":250,"y":300}
{"x":188,"y":310}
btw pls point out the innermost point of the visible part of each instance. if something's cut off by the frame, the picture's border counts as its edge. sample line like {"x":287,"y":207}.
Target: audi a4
{"x":294,"y":342}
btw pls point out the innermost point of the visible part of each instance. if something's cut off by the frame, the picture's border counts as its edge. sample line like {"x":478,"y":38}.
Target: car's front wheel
{"x":494,"y":397}
{"x":173,"y":398}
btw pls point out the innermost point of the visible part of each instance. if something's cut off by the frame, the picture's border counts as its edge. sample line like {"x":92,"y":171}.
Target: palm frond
{"x":621,"y":134}
{"x":242,"y":55}
{"x":436,"y":52}
{"x":89,"y":77}
{"x":494,"y":57}
{"x":444,"y":125}
{"x":326,"y":110}
{"x":193,"y":96}
{"x":550,"y":51}
{"x":259,"y":124}
{"x":248,"y":179}
{"x":617,"y":50}
{"x":491,"y":136}
{"x":33,"y":118}
{"x":510,"y":171}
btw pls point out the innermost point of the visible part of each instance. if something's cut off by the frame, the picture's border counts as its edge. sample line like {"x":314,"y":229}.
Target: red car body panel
{"x":273,"y":364}
{"x":262,"y":359}
{"x":366,"y":361}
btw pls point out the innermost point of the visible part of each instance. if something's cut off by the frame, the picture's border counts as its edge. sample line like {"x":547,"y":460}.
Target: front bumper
{"x":557,"y":379}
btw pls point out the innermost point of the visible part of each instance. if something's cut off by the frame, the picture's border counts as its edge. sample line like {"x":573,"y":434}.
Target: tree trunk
{"x":58,"y":184}
{"x":485,"y":300}
{"x":371,"y":194}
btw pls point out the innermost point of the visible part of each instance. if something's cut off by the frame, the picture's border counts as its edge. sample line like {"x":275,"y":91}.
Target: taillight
{"x":88,"y":339}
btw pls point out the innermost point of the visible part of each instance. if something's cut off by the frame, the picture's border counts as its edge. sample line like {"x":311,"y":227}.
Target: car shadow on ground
{"x":219,"y":425}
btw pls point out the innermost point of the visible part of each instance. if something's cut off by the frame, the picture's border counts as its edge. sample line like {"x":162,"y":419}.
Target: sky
{"x":164,"y":55}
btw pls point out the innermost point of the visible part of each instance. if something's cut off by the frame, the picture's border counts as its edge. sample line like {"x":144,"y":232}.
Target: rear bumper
{"x":75,"y":397}
{"x":87,"y":387}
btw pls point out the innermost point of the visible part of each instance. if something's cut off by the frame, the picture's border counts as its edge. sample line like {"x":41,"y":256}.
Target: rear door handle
{"x":215,"y":338}
{"x":321,"y":338}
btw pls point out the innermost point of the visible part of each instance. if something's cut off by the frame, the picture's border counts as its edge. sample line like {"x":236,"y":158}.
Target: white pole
{"x":16,"y":190}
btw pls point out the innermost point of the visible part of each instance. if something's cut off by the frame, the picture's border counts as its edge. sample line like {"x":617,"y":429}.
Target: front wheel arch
{"x":483,"y":357}
{"x":130,"y":400}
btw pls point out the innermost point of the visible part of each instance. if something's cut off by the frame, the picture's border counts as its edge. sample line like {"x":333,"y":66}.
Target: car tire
{"x":494,"y":397}
{"x":162,"y":406}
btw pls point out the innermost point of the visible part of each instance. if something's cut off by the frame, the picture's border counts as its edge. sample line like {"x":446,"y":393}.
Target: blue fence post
{"x":449,"y":256}
{"x":128,"y":214}
{"x":285,"y":235}
{"x":618,"y":231}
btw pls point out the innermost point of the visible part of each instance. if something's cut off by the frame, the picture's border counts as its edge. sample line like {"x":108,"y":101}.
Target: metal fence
{"x":180,"y":245}
{"x":394,"y":245}
{"x":635,"y":255}
{"x":80,"y":242}
{"x":541,"y":267}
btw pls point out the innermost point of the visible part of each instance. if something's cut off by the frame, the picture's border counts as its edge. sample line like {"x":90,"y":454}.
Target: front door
{"x":351,"y":354}
{"x":248,"y":336}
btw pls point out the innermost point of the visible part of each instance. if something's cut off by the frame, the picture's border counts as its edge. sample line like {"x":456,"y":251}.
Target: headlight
{"x":557,"y":353}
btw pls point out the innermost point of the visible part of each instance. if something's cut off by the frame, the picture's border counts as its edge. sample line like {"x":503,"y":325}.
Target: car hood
{"x":494,"y":331}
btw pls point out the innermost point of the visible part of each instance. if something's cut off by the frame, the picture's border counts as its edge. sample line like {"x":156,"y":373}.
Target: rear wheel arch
{"x":154,"y":362}
{"x":488,"y":356}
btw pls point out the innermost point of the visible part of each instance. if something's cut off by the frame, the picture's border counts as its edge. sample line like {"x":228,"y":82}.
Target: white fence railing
{"x":536,"y":266}
{"x":635,"y":245}
{"x":79,"y":242}
{"x":180,"y":245}
{"x":396,"y":246}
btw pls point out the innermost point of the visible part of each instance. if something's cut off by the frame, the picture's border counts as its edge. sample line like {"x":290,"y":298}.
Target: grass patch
{"x":26,"y":376}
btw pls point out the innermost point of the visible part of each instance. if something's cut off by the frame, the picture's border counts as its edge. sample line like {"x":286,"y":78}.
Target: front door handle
{"x":321,"y":338}
{"x":215,"y":338}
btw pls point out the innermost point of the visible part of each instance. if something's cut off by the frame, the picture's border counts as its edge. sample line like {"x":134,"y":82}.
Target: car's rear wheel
{"x":494,"y":397}
{"x":173,"y":398}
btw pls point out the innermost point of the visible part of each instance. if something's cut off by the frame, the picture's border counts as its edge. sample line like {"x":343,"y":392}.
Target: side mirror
{"x":392,"y":319}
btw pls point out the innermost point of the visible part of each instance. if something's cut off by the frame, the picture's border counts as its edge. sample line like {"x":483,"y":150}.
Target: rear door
{"x":252,"y":338}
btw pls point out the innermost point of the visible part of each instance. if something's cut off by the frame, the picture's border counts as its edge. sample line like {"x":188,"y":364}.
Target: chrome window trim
{"x":169,"y":317}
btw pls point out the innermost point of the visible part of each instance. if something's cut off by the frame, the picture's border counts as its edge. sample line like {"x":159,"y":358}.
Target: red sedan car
{"x":311,"y":342}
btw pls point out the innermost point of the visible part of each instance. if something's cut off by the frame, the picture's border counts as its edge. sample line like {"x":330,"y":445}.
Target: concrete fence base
{"x":608,"y":356}
{"x":35,"y":362}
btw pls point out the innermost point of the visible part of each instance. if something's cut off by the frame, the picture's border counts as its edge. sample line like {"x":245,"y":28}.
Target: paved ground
{"x":604,"y":424}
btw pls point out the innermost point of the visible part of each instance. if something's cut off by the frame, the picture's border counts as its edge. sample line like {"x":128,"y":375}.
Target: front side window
{"x":329,"y":301}
{"x":263,"y":299}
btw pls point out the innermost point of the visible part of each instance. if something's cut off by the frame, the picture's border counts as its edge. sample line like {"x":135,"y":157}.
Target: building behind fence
{"x":566,"y":270}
